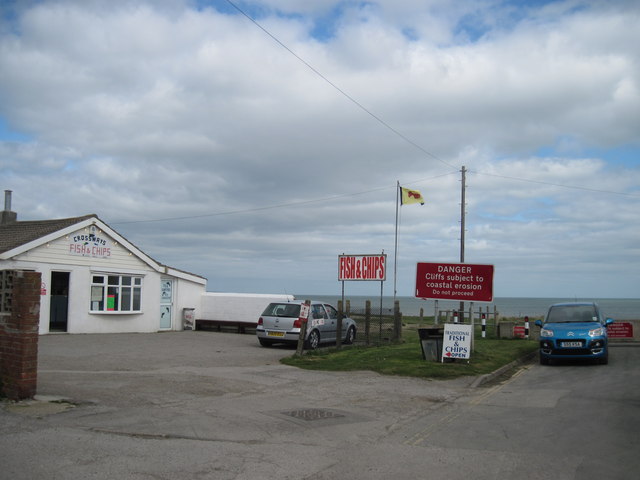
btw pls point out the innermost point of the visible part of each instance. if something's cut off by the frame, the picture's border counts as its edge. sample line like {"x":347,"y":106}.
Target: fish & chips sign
{"x":362,"y":267}
{"x":90,"y":244}
{"x":456,"y":342}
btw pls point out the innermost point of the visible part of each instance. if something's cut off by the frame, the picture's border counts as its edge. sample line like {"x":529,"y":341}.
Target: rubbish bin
{"x":431,"y":343}
{"x":188,"y":318}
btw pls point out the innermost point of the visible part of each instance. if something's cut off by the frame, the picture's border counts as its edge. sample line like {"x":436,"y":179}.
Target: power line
{"x":387,"y":125}
{"x":364,"y":192}
{"x":281,"y":205}
{"x":340,"y":90}
{"x":254,"y":209}
{"x":574,"y":187}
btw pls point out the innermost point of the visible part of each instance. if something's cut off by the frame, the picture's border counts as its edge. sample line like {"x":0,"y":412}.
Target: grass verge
{"x":405,"y":359}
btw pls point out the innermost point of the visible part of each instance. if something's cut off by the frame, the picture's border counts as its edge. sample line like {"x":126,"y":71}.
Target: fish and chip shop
{"x":94,"y":280}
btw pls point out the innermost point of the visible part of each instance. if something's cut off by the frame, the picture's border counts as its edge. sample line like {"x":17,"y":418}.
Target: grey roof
{"x":14,"y":234}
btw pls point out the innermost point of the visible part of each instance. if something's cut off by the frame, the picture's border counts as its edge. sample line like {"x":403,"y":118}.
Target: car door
{"x":319,"y":321}
{"x":332,"y":322}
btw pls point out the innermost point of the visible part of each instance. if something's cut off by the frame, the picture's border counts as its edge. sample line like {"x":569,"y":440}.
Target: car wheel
{"x":605,"y":359}
{"x":313,"y":340}
{"x":544,"y":360}
{"x":265,"y":343}
{"x":351,"y":336}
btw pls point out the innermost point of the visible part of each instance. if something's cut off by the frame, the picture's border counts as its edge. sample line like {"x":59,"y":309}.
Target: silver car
{"x":280,"y":323}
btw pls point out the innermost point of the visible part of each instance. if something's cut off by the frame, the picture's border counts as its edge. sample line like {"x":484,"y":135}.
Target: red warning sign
{"x":455,"y":281}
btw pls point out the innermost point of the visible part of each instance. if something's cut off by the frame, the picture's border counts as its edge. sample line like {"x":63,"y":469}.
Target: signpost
{"x":455,"y":281}
{"x":363,"y":268}
{"x":304,"y":318}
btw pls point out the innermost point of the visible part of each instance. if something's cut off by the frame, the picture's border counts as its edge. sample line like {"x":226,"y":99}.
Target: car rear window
{"x":289,"y":310}
{"x":572,"y":313}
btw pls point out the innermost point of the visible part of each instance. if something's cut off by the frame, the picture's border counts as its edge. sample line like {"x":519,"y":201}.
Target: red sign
{"x":362,"y":267}
{"x":518,"y":331}
{"x":620,"y":330}
{"x":455,"y":281}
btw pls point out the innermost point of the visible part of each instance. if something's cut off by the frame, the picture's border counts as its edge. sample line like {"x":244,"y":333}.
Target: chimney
{"x":7,"y":215}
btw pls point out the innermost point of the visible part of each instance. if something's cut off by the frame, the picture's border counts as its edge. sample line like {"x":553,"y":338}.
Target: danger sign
{"x":455,"y":281}
{"x":620,"y":330}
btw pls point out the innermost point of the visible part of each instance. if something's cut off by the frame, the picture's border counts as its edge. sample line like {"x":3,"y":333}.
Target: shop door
{"x":166,"y":303}
{"x":59,"y":306}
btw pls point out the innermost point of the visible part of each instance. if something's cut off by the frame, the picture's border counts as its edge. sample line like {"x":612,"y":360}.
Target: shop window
{"x":116,"y":293}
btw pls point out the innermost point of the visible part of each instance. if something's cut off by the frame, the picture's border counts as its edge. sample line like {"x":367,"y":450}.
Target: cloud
{"x":263,"y":169}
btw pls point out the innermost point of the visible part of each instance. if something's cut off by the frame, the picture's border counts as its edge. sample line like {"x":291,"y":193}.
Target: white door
{"x":166,"y":303}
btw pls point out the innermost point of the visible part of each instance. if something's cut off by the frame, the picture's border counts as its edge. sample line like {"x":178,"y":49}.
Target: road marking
{"x":419,"y":437}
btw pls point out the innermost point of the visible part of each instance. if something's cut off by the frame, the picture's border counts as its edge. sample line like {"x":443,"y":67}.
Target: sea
{"x":518,"y":307}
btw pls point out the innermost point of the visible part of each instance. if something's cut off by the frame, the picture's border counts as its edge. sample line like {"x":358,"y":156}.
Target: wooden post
{"x":304,"y":318}
{"x":436,"y":314}
{"x":339,"y":326}
{"x":473,"y":328}
{"x":397,"y":321}
{"x":367,"y":322}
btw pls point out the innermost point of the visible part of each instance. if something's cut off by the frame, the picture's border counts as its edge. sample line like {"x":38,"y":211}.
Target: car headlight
{"x":546,"y":333}
{"x":596,"y":332}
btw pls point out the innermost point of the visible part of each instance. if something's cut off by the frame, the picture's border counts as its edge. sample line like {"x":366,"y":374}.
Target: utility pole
{"x":462,"y":228}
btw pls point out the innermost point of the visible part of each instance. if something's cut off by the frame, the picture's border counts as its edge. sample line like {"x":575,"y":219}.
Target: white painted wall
{"x":188,"y":295}
{"x":243,"y":307}
{"x":55,"y":256}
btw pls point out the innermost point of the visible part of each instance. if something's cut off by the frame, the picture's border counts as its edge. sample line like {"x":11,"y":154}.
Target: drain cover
{"x":311,"y":414}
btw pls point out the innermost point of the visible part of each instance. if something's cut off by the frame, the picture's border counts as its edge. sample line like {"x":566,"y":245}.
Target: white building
{"x":93,"y":279}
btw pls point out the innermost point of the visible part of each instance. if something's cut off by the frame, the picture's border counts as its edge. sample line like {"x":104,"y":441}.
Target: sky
{"x":253,"y":142}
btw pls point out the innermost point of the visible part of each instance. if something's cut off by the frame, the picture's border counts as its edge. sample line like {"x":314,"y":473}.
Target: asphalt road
{"x":203,"y":405}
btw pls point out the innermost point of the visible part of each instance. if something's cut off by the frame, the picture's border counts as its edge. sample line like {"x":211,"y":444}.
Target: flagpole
{"x":395,"y":255}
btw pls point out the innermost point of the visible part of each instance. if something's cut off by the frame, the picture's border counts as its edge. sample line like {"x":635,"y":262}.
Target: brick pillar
{"x":19,"y":338}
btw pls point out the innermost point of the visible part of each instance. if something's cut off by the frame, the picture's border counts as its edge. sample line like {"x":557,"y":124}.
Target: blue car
{"x":574,"y":330}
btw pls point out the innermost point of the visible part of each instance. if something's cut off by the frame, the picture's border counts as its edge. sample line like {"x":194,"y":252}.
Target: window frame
{"x":116,"y":293}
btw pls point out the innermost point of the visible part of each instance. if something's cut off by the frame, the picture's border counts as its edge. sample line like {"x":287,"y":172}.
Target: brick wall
{"x":19,"y":334}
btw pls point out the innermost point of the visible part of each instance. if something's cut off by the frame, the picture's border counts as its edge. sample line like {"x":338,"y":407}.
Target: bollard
{"x":526,"y":327}
{"x":484,"y":326}
{"x":455,"y":316}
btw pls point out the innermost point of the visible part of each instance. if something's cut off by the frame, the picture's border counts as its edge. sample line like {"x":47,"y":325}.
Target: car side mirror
{"x":538,"y":323}
{"x":608,"y":321}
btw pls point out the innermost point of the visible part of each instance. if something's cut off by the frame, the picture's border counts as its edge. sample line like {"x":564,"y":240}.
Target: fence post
{"x":367,"y":321}
{"x":397,"y":321}
{"x":484,"y":326}
{"x":473,"y":328}
{"x":339,"y":326}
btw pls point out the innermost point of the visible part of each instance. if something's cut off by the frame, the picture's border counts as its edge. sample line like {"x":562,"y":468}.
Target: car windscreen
{"x":290,"y":310}
{"x":572,"y":313}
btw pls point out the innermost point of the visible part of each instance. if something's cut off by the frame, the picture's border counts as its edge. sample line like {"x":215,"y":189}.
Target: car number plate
{"x":275,"y":334}
{"x":571,"y":344}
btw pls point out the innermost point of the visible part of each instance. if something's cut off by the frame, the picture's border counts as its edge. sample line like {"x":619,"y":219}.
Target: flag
{"x":408,"y":197}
